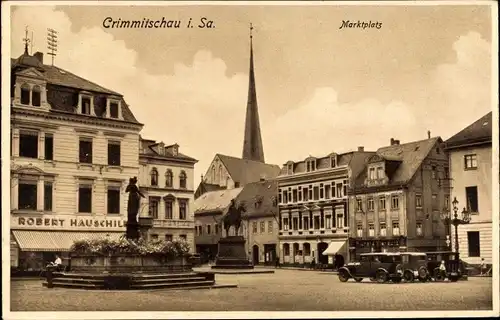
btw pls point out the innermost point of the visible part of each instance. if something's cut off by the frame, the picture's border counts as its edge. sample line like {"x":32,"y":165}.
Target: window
{"x":395,"y":228}
{"x":316,"y":193}
{"x":433,"y":172}
{"x":435,"y":202}
{"x":86,"y":105}
{"x":359,"y":231}
{"x":182,"y":209}
{"x":36,"y":96}
{"x":305,"y":192}
{"x":28,"y":144}
{"x":113,"y":110}
{"x":168,"y":237}
{"x":340,"y":220}
{"x":168,"y":209}
{"x":383,"y":229}
{"x":371,"y":204}
{"x":154,"y":177}
{"x":381,"y":203}
{"x":270,"y":227}
{"x":380,"y":173}
{"x":339,"y":190}
{"x":49,"y":147}
{"x":311,"y":165}
{"x":294,"y":195}
{"x":371,"y":174}
{"x":371,"y":230}
{"x":113,"y":200}
{"x":236,"y":184}
{"x":472,"y":203}
{"x":316,"y":222}
{"x":418,"y":201}
{"x":154,"y":237}
{"x":182,"y":180}
{"x":199,"y":230}
{"x":333,"y":161}
{"x":85,"y":198}
{"x":395,"y":202}
{"x":254,"y":227}
{"x":285,"y":224}
{"x":182,"y":237}
{"x":470,"y":161}
{"x":85,"y":151}
{"x":25,"y":94}
{"x":328,"y":222}
{"x":209,"y":227}
{"x":153,"y":207}
{"x":474,"y":243}
{"x":295,"y":223}
{"x":216,"y":229}
{"x":262,"y":226}
{"x":359,"y":204}
{"x":47,"y":196}
{"x":286,"y":249}
{"x":327,"y":191}
{"x":307,"y":249}
{"x":344,"y":188}
{"x":27,"y":195}
{"x":169,"y":179}
{"x":306,"y":223}
{"x":114,"y":153}
{"x":420,"y":230}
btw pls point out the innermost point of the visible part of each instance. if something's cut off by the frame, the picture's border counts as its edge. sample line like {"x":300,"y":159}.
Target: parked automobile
{"x":378,"y":266}
{"x":454,"y":268}
{"x":414,"y":266}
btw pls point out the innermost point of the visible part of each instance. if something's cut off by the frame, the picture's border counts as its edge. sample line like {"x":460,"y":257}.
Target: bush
{"x":106,"y":247}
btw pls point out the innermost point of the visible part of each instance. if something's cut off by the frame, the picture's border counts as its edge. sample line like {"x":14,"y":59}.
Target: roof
{"x":403,"y":160}
{"x":478,"y":132}
{"x":62,"y":78}
{"x":259,"y":198}
{"x":148,"y":149}
{"x":215,"y":200}
{"x":246,"y":171}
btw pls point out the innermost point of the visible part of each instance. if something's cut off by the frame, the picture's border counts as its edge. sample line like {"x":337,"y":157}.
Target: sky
{"x":320,"y":89}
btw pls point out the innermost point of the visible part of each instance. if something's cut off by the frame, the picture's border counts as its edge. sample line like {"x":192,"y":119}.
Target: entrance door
{"x":255,"y":254}
{"x":323,"y":259}
{"x":270,"y":252}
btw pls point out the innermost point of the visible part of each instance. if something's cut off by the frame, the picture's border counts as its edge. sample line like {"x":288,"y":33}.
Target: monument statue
{"x":134,"y":199}
{"x":233,"y":217}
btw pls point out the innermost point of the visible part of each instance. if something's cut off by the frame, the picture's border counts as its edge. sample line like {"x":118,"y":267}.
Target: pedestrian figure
{"x":277,"y":262}
{"x":442,"y":269}
{"x":313,"y":263}
{"x":482,"y":266}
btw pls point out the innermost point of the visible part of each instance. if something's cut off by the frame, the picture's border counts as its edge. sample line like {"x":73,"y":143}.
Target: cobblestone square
{"x":285,"y":290}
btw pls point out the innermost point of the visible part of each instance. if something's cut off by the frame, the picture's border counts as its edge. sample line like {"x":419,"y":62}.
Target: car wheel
{"x":423,"y":275}
{"x":373,"y":279}
{"x":358,"y":279}
{"x":343,"y":276}
{"x":382,"y":276}
{"x":408,"y":276}
{"x":437,"y":275}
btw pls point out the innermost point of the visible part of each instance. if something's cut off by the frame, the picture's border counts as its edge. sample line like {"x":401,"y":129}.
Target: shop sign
{"x":66,"y":222}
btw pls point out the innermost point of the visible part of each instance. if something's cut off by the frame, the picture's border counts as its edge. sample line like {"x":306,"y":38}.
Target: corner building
{"x":74,"y":145}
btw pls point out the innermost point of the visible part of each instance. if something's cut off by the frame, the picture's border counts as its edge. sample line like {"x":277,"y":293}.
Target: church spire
{"x":26,"y":41}
{"x":252,"y":143}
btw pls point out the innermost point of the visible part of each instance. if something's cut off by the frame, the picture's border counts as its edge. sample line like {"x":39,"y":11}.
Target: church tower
{"x":252,"y":143}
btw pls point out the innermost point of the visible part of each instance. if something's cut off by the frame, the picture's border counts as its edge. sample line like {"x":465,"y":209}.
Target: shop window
{"x":85,"y":199}
{"x":47,"y":195}
{"x":113,"y":200}
{"x":27,"y":195}
{"x":114,"y":153}
{"x":28,"y":144}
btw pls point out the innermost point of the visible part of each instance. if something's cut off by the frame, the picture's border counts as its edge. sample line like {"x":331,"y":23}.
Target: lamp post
{"x":456,"y":220}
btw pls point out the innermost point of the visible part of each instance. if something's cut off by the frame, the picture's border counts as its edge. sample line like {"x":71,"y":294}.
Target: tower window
{"x":36,"y":96}
{"x":25,"y":94}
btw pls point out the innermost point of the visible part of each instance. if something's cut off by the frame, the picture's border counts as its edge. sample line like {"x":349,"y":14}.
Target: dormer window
{"x":311,"y":165}
{"x":36,"y":96}
{"x":175,"y":150}
{"x":289,"y":167}
{"x":113,"y":108}
{"x":333,"y":160}
{"x":25,"y":94}
{"x":86,"y":106}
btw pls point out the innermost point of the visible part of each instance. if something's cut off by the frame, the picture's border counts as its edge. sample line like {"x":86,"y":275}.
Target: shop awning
{"x":52,"y":241}
{"x":334,"y":247}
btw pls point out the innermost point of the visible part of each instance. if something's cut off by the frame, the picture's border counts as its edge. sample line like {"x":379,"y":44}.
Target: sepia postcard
{"x":230,"y":159}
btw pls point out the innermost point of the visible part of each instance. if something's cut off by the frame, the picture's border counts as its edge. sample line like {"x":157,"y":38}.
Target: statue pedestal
{"x":232,"y":254}
{"x":132,"y":230}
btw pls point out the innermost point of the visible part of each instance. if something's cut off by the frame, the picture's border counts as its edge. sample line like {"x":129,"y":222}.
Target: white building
{"x":74,"y":145}
{"x":166,"y":179}
{"x":470,"y":153}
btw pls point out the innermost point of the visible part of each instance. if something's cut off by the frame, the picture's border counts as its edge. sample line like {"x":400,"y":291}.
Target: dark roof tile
{"x":478,"y":132}
{"x":246,"y":171}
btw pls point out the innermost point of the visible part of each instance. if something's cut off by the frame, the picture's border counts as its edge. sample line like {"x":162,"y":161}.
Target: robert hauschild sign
{"x":67,"y":222}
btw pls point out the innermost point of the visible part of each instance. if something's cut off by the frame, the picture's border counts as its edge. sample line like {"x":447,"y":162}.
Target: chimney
{"x":361,"y":149}
{"x":394,"y":142}
{"x":428,"y":134}
{"x":39,"y":56}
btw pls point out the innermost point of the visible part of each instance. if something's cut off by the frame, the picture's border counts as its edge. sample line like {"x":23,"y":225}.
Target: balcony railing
{"x":173,"y":224}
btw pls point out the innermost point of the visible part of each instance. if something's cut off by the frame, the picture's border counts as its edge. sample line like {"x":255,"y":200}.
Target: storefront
{"x":359,"y":246}
{"x":36,"y":239}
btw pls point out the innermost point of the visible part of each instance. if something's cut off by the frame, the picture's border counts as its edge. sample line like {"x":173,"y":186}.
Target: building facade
{"x":73,"y":148}
{"x":313,"y":208}
{"x":397,"y":201}
{"x":260,"y":221}
{"x":470,"y":152}
{"x":167,"y":182}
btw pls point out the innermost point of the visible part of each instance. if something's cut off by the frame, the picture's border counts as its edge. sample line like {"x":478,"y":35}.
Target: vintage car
{"x":454,"y":268}
{"x":414,"y":266}
{"x":378,"y":266}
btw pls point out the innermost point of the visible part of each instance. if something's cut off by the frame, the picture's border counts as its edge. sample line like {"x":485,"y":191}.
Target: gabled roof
{"x":148,"y":150}
{"x":246,"y":171}
{"x":259,"y":198}
{"x":478,"y":132}
{"x":402,"y":160}
{"x":215,"y":201}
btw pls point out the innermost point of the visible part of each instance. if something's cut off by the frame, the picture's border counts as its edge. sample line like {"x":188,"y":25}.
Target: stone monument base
{"x":232,"y":254}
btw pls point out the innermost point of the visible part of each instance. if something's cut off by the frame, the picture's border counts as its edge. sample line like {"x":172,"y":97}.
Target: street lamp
{"x":455,"y":220}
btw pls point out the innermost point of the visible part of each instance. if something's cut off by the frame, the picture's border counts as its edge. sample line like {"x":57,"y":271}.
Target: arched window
{"x":154,"y":177}
{"x":213,"y":174}
{"x":221,"y":178}
{"x":25,"y":94}
{"x":182,"y":180}
{"x":36,"y":96}
{"x":169,"y":179}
